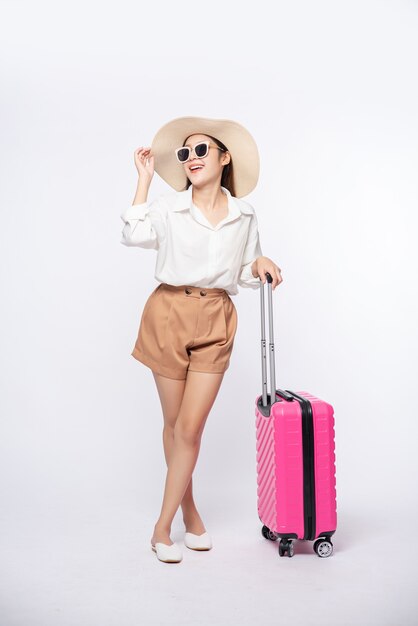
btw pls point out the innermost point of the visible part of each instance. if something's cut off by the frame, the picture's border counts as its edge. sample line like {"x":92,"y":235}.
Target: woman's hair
{"x":227,"y":179}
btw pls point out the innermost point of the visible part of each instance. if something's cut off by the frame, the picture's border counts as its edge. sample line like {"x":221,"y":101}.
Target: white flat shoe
{"x":198,"y":542}
{"x":168,"y":554}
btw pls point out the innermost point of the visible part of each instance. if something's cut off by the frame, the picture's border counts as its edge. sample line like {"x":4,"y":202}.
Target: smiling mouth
{"x":196,"y":168}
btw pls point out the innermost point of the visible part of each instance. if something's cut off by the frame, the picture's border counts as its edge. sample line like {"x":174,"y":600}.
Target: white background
{"x":329,"y":92}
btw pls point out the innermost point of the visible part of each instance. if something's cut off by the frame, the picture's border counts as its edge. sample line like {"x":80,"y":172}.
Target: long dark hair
{"x":227,"y":179}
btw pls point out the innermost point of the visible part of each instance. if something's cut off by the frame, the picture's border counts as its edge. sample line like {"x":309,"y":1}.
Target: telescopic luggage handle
{"x":263,"y":341}
{"x":269,"y":398}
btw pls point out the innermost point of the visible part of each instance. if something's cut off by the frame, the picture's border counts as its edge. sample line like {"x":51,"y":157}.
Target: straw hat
{"x":237,"y":139}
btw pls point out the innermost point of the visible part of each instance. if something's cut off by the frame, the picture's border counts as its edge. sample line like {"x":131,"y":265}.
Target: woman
{"x":207,"y":241}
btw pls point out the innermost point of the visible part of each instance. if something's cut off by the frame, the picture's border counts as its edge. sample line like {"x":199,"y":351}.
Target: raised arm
{"x":145,"y":222}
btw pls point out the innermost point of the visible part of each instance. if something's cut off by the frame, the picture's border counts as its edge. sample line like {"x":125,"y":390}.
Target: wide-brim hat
{"x":240,"y":144}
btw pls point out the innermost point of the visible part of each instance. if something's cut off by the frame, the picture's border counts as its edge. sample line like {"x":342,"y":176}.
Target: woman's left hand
{"x":262,"y":265}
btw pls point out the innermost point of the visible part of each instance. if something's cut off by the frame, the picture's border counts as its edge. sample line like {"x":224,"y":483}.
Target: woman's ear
{"x":226,"y":158}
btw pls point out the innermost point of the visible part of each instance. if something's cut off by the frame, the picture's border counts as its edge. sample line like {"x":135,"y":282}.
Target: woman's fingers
{"x":142,"y":155}
{"x":277,"y":279}
{"x":142,"y":152}
{"x":144,"y":161}
{"x":275,"y":273}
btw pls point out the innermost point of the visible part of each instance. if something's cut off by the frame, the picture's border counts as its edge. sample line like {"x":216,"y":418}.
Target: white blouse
{"x":190,"y":250}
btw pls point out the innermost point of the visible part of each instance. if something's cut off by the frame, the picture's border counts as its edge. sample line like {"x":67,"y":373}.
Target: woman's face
{"x":211,"y":165}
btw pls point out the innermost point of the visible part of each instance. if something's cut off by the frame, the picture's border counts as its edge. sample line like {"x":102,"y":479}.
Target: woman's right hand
{"x":144,"y":163}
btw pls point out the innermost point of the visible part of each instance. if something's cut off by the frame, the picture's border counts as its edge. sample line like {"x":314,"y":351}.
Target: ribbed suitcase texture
{"x":295,"y":454}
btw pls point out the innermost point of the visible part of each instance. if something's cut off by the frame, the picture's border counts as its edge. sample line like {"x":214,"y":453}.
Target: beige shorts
{"x":186,"y":328}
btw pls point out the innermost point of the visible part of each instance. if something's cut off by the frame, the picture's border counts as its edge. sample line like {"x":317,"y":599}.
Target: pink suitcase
{"x":296,"y":486}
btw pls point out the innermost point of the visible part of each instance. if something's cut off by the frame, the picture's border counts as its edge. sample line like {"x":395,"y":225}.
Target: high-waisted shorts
{"x":186,"y":328}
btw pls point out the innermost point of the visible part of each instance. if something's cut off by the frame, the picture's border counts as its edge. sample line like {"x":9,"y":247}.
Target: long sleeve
{"x":145,"y":224}
{"x":251,"y":252}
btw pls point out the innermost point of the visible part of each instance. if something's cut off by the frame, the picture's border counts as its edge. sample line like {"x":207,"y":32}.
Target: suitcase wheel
{"x":323,"y":547}
{"x":269,"y":534}
{"x":286,"y":545}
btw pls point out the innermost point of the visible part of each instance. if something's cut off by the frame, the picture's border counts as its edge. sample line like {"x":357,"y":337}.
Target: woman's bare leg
{"x":171,"y":393}
{"x":200,"y":392}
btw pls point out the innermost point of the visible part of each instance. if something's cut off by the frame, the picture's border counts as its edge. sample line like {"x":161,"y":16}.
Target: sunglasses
{"x":201,"y":150}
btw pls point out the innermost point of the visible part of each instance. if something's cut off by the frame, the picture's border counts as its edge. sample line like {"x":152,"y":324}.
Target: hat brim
{"x":240,"y":144}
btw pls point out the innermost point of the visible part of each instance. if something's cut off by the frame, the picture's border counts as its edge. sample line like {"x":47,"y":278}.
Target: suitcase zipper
{"x":308,"y":451}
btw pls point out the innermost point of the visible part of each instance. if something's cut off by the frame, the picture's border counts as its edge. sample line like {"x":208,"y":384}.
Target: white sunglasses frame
{"x":208,"y":144}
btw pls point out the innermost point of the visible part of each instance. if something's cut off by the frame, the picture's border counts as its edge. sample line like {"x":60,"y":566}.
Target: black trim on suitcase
{"x":308,"y":448}
{"x":288,"y":535}
{"x":284,"y":394}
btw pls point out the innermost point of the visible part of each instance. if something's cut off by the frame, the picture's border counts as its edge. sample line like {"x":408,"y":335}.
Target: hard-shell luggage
{"x":295,"y":451}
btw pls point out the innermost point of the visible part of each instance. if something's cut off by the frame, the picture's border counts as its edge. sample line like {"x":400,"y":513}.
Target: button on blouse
{"x":190,"y":251}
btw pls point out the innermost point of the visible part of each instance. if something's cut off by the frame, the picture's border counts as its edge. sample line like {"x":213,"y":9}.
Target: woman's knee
{"x":168,"y":430}
{"x":187,"y":432}
{"x":170,"y":420}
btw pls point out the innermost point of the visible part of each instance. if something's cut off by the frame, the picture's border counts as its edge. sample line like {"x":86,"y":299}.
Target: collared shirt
{"x":190,"y":250}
